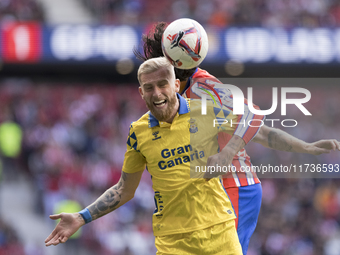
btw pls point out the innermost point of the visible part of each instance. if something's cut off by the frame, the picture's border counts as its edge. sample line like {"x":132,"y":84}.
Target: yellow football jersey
{"x":169,"y":151}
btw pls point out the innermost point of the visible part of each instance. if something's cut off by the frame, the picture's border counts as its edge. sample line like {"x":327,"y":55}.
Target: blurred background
{"x":68,"y":93}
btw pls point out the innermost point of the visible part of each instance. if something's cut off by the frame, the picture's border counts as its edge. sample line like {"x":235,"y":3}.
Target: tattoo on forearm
{"x":279,"y":142}
{"x":107,"y":202}
{"x":116,"y":187}
{"x":81,"y":218}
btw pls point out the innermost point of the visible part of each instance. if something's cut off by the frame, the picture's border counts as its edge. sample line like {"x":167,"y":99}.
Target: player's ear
{"x":141,"y":92}
{"x":177,"y":85}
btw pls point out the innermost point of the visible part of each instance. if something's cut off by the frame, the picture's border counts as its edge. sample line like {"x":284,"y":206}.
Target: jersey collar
{"x":183,"y":108}
{"x":187,"y":85}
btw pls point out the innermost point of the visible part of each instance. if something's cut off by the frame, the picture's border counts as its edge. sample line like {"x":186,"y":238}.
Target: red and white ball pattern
{"x":185,"y":43}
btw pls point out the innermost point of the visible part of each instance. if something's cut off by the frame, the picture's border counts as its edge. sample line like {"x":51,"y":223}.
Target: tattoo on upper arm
{"x":124,"y":175}
{"x":278,"y":142}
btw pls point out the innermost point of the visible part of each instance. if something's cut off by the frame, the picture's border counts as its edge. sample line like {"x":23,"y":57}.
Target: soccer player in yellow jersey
{"x":193,"y":216}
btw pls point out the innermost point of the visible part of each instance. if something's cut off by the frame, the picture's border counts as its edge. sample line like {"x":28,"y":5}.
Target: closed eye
{"x":148,"y":88}
{"x":163,"y":83}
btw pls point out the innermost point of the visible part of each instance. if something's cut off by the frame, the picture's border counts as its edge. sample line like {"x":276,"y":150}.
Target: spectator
{"x":20,"y":10}
{"x":266,"y":13}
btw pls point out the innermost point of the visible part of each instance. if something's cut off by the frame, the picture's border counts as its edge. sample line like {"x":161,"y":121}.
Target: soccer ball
{"x":185,"y":43}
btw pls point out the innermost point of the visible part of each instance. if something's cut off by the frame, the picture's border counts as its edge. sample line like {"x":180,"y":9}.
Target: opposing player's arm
{"x":225,"y":156}
{"x":277,"y":139}
{"x":109,"y":201}
{"x":234,"y":145}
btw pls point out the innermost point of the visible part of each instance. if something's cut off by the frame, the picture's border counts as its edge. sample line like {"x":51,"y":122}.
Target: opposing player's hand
{"x":68,"y":225}
{"x":221,"y":162}
{"x":324,"y":146}
{"x":215,"y":166}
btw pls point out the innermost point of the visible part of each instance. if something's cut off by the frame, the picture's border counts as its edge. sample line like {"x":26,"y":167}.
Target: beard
{"x":163,"y":114}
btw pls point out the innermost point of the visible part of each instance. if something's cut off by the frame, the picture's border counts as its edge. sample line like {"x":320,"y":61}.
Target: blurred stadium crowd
{"x":70,"y":139}
{"x":265,"y":13}
{"x":20,"y":10}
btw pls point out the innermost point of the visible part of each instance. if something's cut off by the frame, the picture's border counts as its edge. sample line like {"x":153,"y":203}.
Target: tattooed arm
{"x":112,"y":198}
{"x":225,"y":157}
{"x":115,"y":196}
{"x":279,"y":140}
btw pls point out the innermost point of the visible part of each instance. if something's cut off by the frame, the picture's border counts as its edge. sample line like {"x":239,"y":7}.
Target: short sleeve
{"x":134,"y":161}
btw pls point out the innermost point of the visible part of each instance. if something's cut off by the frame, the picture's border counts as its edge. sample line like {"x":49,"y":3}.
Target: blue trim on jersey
{"x":133,"y":136}
{"x":183,"y":105}
{"x":182,"y":109}
{"x":152,"y":120}
{"x":156,"y":209}
{"x":187,"y":85}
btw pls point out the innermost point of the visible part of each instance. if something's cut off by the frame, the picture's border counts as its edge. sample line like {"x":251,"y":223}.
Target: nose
{"x":156,"y":92}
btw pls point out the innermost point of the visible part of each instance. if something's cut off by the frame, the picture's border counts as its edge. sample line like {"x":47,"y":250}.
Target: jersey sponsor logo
{"x":180,"y":159}
{"x":155,"y":134}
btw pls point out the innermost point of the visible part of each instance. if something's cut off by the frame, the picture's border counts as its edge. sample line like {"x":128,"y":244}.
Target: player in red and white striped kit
{"x":243,"y":187}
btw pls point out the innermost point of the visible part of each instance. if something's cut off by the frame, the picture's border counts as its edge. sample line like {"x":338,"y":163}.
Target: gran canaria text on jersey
{"x":167,"y":153}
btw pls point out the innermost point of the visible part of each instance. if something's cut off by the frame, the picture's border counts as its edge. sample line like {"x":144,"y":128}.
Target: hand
{"x":217,"y":164}
{"x":323,"y":146}
{"x":221,"y":162}
{"x":68,"y":225}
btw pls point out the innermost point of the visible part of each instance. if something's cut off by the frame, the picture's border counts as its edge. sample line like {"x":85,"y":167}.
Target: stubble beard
{"x":163,"y":114}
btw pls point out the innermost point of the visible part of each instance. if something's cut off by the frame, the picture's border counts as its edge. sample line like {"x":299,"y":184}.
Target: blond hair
{"x":153,"y":64}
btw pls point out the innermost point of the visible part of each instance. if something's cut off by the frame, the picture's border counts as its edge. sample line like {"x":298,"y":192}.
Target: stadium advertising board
{"x":105,"y":44}
{"x":85,"y":43}
{"x":299,"y":45}
{"x":21,"y":42}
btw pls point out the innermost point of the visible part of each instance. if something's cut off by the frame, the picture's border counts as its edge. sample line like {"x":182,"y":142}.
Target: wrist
{"x":86,"y":215}
{"x":307,"y":148}
{"x":228,"y":153}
